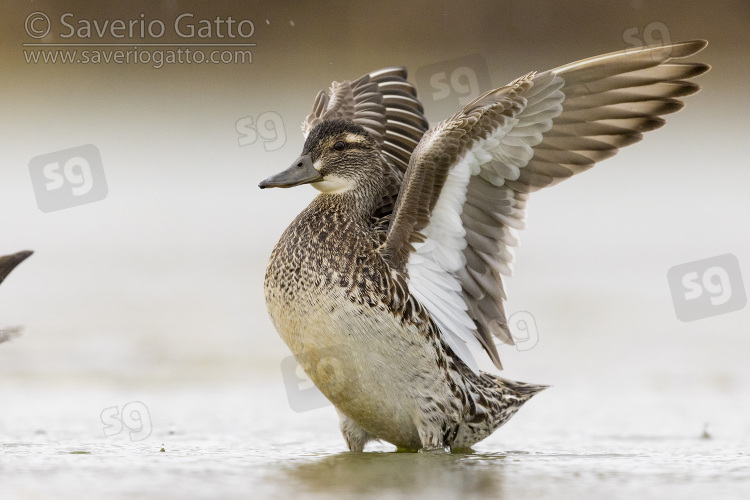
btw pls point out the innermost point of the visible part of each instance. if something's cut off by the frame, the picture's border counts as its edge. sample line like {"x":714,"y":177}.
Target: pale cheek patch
{"x":332,"y":184}
{"x":318,"y":164}
{"x":354,"y":139}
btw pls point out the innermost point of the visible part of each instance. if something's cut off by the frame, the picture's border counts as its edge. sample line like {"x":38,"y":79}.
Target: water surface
{"x":243,"y":441}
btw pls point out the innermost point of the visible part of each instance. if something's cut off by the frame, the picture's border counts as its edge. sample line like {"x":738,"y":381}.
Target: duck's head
{"x":338,"y":156}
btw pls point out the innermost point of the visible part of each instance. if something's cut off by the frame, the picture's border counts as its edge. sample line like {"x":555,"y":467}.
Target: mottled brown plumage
{"x":385,"y":280}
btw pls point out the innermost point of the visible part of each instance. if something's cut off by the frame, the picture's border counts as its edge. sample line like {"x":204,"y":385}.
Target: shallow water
{"x":243,"y":441}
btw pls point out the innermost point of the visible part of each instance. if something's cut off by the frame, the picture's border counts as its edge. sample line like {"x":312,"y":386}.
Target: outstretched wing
{"x":385,"y":105}
{"x":9,"y":262}
{"x":465,"y":191}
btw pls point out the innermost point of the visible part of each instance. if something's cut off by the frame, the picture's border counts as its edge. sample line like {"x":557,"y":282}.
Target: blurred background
{"x":158,"y":283}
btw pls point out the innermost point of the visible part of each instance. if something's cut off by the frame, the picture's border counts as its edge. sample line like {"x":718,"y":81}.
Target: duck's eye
{"x":339,"y":146}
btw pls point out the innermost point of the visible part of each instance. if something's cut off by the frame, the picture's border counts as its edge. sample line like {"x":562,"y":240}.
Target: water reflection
{"x":407,"y":474}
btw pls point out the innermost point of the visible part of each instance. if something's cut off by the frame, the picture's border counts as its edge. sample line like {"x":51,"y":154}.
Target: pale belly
{"x":366,"y":363}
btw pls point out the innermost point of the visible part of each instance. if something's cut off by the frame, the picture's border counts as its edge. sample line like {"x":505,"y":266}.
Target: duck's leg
{"x":434,"y":432}
{"x":435,"y":426}
{"x":432,"y":440}
{"x":354,"y":435}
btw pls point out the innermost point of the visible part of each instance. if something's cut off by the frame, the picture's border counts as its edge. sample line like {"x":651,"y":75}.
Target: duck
{"x":389,"y":285}
{"x":7,"y":264}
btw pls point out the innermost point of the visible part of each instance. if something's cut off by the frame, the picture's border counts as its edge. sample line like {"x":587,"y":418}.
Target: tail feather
{"x":495,"y":400}
{"x":520,"y":390}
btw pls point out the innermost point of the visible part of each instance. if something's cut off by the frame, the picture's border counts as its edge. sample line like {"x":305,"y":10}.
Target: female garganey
{"x":383,"y":283}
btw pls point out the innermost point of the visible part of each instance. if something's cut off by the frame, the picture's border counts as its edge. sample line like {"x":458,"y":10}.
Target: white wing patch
{"x":434,"y":264}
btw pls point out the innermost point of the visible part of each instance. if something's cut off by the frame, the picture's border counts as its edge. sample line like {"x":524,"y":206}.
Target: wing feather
{"x":9,"y":262}
{"x":464,"y":194}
